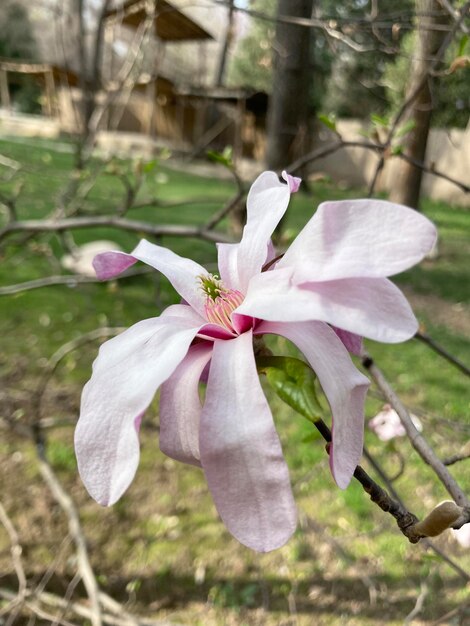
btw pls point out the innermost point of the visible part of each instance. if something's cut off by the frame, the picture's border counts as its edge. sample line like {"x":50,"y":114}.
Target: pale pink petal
{"x":266,"y":204}
{"x":370,"y":307}
{"x":387,"y":424}
{"x":272,"y":253}
{"x":351,"y":341}
{"x":180,"y":407}
{"x":126,"y":374}
{"x":227,"y":261}
{"x":215,"y":331}
{"x":352,"y":238}
{"x":110,"y":264}
{"x":182,"y":273}
{"x":292,"y":181}
{"x":184,"y":312}
{"x":241,"y":453}
{"x":344,"y":386}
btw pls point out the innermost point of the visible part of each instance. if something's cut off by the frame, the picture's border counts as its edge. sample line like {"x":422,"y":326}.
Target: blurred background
{"x":150,"y":118}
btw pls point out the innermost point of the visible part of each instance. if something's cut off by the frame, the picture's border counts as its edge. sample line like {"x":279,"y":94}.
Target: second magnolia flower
{"x":328,"y":290}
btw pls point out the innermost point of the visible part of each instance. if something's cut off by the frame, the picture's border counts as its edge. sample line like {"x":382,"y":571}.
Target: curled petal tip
{"x":110,"y":264}
{"x":292,"y":181}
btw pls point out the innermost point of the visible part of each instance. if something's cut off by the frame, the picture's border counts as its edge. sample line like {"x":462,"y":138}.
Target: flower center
{"x":220,"y":301}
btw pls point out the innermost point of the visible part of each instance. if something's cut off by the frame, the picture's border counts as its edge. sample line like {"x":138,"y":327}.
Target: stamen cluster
{"x":220,"y":301}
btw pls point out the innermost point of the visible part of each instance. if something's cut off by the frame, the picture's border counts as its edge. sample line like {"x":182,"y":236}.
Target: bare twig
{"x":35,"y":607}
{"x":456,"y":458}
{"x":463,"y":15}
{"x":50,"y":225}
{"x":15,"y":551}
{"x":386,"y":480}
{"x":417,"y":440}
{"x":382,"y":149}
{"x":64,"y":279}
{"x":116,"y":615}
{"x":418,"y":607}
{"x":424,"y":541}
{"x":67,"y":348}
{"x":230,"y":205}
{"x":67,"y":505}
{"x":454,"y":13}
{"x":429,"y":341}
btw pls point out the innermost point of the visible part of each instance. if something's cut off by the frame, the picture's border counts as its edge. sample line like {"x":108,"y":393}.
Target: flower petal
{"x":241,"y":453}
{"x":180,"y":407}
{"x":352,"y":238}
{"x":266,"y":204}
{"x":344,"y":386}
{"x":227,"y":261}
{"x":370,"y":307}
{"x":293,"y":181}
{"x":351,"y":341}
{"x":182,"y":273}
{"x":126,"y":374}
{"x":110,"y":264}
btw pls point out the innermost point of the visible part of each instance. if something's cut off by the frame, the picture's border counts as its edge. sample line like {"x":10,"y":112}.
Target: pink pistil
{"x":219,"y":311}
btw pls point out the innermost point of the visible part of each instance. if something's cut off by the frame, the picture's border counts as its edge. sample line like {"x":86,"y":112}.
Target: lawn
{"x":162,"y":549}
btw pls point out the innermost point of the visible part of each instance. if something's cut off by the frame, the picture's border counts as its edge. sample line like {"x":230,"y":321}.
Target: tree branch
{"x":429,"y":341}
{"x":417,"y":440}
{"x":61,"y":225}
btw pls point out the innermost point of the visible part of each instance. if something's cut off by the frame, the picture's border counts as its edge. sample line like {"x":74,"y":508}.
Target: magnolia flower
{"x":387,"y":424}
{"x":327,"y":291}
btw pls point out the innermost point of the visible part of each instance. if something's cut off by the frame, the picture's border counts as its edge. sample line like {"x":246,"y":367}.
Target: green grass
{"x":166,"y":528}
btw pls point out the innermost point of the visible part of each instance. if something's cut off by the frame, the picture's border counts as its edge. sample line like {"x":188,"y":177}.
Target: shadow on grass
{"x":314,"y":596}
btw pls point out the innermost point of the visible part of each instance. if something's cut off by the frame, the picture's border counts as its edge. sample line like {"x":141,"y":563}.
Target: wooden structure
{"x":170,"y":23}
{"x":49,"y":77}
{"x":226,"y":116}
{"x":170,"y":26}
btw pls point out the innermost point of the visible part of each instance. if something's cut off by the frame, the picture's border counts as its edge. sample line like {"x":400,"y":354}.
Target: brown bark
{"x":228,"y":38}
{"x":409,"y":177}
{"x":288,"y":109}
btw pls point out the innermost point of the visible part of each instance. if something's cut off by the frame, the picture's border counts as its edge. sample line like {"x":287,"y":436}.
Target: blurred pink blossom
{"x":387,"y":424}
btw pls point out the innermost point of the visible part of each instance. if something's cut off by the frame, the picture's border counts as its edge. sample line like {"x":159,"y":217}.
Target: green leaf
{"x":405,"y":128}
{"x":225,"y":158}
{"x":377,"y":120}
{"x":149,"y":166}
{"x":294,"y":382}
{"x":397,"y":149}
{"x":462,"y":45}
{"x":329,"y":120}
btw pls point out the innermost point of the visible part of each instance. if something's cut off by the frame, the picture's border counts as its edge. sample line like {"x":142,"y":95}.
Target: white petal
{"x":369,"y":307}
{"x":353,"y":238}
{"x":241,"y":453}
{"x":266,"y":204}
{"x":181,"y":272}
{"x":344,"y":386}
{"x":126,"y":374}
{"x":180,"y":406}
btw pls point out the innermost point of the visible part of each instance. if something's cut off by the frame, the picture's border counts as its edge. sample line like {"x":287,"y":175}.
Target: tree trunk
{"x":407,"y":187}
{"x":288,"y":108}
{"x":228,"y":38}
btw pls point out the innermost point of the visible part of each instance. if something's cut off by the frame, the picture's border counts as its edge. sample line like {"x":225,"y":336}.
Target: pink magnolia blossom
{"x":333,"y":275}
{"x":387,"y":424}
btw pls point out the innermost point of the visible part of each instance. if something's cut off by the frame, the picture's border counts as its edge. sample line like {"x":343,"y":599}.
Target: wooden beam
{"x":50,"y":94}
{"x":4,"y":91}
{"x":149,"y":121}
